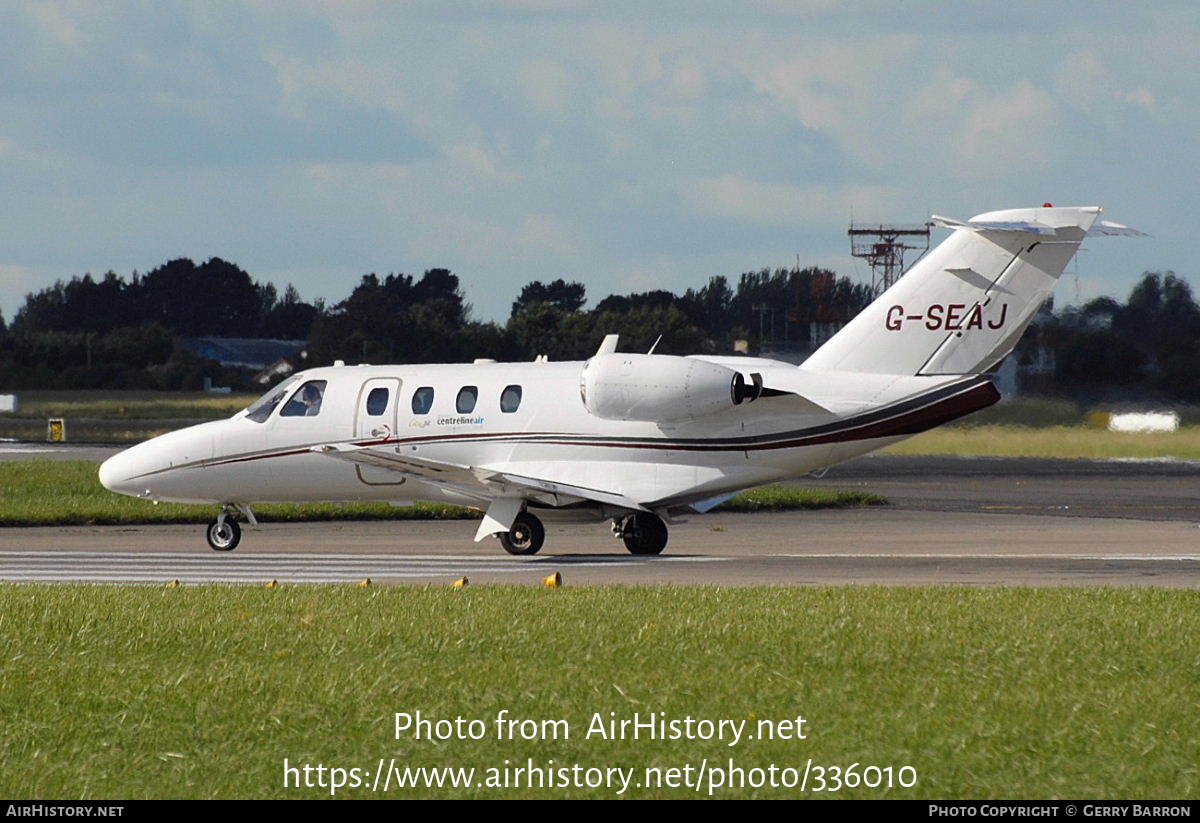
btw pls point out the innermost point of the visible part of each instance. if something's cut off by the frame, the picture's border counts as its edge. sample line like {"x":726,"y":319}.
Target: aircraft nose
{"x":145,"y":470}
{"x":118,"y":473}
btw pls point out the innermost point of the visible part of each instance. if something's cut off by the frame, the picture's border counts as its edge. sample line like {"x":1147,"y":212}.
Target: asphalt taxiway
{"x":952,"y":521}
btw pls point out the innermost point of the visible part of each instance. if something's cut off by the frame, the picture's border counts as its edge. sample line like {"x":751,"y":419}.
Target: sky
{"x":626,"y":145}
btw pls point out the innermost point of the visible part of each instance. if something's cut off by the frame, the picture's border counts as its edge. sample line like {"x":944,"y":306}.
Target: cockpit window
{"x":422,"y":400}
{"x":261,"y":409}
{"x":465,"y":402}
{"x":307,"y":401}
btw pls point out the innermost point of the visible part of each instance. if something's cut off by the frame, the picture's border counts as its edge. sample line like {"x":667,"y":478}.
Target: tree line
{"x":114,"y":332}
{"x":1147,"y":348}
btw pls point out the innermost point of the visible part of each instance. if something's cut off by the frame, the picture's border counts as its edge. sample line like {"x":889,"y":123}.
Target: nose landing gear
{"x":224,"y":533}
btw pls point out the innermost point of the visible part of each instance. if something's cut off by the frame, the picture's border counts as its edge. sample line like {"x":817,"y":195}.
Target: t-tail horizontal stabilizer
{"x":962,"y":307}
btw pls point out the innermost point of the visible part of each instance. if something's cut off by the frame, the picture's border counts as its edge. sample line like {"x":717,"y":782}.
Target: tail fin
{"x":962,"y":307}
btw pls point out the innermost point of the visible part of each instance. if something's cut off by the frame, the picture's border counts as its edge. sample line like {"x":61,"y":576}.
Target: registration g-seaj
{"x":638,"y":439}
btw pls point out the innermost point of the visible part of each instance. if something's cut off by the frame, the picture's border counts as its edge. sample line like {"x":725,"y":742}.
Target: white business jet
{"x":635,"y":438}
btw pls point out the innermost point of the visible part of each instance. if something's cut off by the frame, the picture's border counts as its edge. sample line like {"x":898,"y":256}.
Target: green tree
{"x":394,"y":320}
{"x":559,"y":294}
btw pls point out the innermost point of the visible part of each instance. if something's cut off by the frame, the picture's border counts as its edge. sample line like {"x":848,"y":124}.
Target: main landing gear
{"x":526,"y":535}
{"x":643,"y":532}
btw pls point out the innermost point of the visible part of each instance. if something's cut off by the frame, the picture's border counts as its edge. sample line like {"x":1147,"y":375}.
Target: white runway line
{"x":157,"y":567}
{"x":995,"y":556}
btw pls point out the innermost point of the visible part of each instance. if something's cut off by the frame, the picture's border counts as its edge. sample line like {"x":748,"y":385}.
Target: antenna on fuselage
{"x":655,"y":346}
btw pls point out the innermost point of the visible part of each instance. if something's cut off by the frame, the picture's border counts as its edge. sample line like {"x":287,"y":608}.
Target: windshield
{"x":261,"y":409}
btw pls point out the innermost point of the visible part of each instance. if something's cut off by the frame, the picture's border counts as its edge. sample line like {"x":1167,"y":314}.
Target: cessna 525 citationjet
{"x":635,"y":438}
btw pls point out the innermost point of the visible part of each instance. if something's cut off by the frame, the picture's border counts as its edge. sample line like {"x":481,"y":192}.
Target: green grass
{"x":67,"y":493}
{"x":115,"y":416}
{"x":787,"y":498}
{"x":1055,"y":441}
{"x":129,"y":405}
{"x":1036,"y":412}
{"x":142,"y":692}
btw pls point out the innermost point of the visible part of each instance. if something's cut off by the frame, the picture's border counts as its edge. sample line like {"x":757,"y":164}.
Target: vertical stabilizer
{"x":962,"y":307}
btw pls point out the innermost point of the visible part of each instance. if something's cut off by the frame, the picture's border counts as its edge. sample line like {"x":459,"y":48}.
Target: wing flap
{"x":559,"y":489}
{"x":484,"y":482}
{"x":433,"y":471}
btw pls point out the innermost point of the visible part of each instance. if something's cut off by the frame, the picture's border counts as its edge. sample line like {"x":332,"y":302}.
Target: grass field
{"x":115,"y":416}
{"x":128,"y":404}
{"x":139,"y":692}
{"x":65,"y":493}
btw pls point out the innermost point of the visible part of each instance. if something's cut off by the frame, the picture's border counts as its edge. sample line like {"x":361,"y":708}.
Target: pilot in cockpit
{"x":312,"y":400}
{"x":306,"y":402}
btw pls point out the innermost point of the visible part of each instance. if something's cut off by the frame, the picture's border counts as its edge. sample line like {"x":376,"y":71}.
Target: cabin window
{"x":510,"y":399}
{"x":422,"y":400}
{"x":307,"y":401}
{"x":465,"y":403}
{"x":377,"y":401}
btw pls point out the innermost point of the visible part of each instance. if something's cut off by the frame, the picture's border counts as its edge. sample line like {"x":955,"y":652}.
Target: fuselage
{"x":529,"y":419}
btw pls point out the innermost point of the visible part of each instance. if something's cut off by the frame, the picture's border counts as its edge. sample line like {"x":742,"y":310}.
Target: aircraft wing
{"x":482,"y":482}
{"x":460,"y":478}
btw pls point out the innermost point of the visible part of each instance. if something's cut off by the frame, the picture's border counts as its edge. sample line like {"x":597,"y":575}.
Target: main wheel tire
{"x":526,"y":535}
{"x":224,"y":535}
{"x":646,"y":534}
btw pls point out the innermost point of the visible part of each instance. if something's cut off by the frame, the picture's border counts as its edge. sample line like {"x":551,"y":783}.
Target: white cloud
{"x":730,"y":197}
{"x":1013,"y":131}
{"x":309,"y":85}
{"x":358,"y":177}
{"x":688,"y":78}
{"x":1140,"y":96}
{"x":61,"y":21}
{"x":546,"y":83}
{"x":1082,"y":80}
{"x":846,"y":89}
{"x":471,"y":163}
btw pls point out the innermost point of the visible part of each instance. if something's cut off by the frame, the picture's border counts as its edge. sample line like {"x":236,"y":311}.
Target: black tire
{"x":645,"y":533}
{"x":526,"y":535}
{"x":223,"y":536}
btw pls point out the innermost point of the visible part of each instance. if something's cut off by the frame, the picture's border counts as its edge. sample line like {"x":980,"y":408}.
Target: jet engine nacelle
{"x":661,"y":388}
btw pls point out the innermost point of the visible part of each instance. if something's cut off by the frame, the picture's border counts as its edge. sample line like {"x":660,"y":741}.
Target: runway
{"x":953,"y":521}
{"x":860,"y":546}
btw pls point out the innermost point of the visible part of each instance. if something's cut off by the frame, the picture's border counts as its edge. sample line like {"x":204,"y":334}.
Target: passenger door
{"x":375,"y":420}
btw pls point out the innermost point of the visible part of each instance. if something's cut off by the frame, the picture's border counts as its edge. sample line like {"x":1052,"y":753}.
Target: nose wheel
{"x":223,"y":533}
